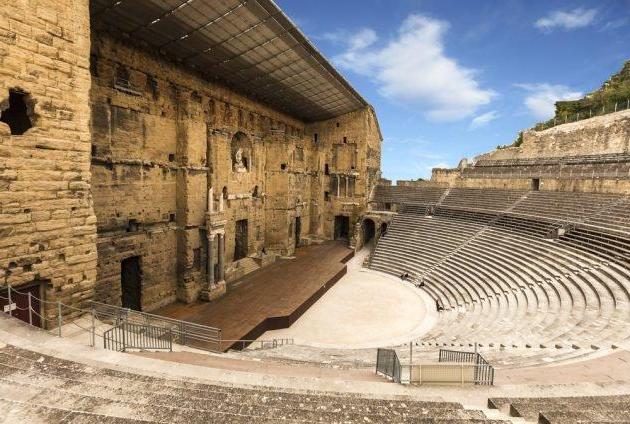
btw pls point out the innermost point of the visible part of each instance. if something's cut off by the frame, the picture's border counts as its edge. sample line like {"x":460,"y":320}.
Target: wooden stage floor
{"x":269,"y":298}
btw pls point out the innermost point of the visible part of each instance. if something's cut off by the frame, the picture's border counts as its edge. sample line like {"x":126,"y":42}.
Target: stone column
{"x":338,"y":182}
{"x":347,"y":186}
{"x":221,"y":253}
{"x":210,"y":261}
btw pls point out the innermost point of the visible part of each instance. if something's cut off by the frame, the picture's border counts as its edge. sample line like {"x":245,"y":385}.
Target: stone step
{"x":55,"y":375}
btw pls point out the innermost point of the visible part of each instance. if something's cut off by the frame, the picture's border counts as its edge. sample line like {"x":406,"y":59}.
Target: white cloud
{"x":441,"y":165}
{"x":616,"y":24}
{"x":483,"y":119}
{"x":363,"y":38}
{"x":572,"y":19}
{"x":413,"y":68}
{"x":542,"y":98}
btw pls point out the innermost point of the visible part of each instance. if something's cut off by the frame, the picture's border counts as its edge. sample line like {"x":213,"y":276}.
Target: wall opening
{"x":240,"y":240}
{"x":132,"y":225}
{"x":131,"y":283}
{"x":326,"y":169}
{"x":315,"y":136}
{"x":17,"y":114}
{"x":255,"y":193}
{"x":19,"y":302}
{"x":536,"y":184}
{"x":383,"y":228}
{"x":369,"y":230}
{"x":342,"y":227}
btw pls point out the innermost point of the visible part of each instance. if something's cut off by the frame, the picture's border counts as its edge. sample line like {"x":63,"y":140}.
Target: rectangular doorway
{"x":535,"y":184}
{"x":342,"y":227}
{"x":19,"y":303}
{"x":240,"y":240}
{"x":298,"y":230}
{"x":131,"y":283}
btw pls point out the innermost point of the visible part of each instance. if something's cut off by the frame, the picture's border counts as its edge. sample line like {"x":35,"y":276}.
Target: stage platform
{"x":270,"y":298}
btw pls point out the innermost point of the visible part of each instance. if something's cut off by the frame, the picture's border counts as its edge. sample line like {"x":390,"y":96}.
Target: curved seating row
{"x":41,"y":388}
{"x":503,"y":284}
{"x":603,"y":212}
{"x":565,"y":410}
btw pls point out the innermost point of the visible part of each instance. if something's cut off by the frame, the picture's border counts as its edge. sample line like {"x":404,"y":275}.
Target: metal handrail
{"x":187,"y":333}
{"x":388,"y":364}
{"x":484,"y":372}
{"x":137,"y":336}
{"x":264,"y":344}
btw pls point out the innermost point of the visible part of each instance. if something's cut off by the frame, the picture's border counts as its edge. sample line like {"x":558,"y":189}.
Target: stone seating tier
{"x":503,"y":283}
{"x":42,"y":388}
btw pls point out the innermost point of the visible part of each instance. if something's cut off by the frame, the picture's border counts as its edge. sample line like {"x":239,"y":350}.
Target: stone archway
{"x":369,"y":230}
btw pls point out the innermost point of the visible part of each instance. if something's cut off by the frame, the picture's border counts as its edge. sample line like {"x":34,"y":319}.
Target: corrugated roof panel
{"x":249,"y":44}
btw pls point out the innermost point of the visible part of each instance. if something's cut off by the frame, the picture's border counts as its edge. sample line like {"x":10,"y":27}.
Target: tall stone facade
{"x":121,"y":168}
{"x":163,"y":140}
{"x":47,"y":222}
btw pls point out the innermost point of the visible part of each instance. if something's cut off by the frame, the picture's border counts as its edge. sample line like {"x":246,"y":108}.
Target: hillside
{"x":614,"y":91}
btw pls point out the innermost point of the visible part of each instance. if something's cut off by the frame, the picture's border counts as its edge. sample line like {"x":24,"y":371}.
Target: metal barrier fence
{"x":453,"y":367}
{"x":449,"y":374}
{"x":484,"y":372}
{"x":262,"y":344}
{"x":558,"y":173}
{"x":26,"y":307}
{"x":387,"y":363}
{"x":456,"y":356}
{"x":186,"y":333}
{"x":137,"y":336}
{"x":605,"y":109}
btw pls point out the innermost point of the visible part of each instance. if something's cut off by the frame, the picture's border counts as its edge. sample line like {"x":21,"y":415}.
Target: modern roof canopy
{"x":250,"y":45}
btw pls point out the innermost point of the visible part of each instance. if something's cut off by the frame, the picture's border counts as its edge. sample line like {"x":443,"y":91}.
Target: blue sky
{"x":453,"y":79}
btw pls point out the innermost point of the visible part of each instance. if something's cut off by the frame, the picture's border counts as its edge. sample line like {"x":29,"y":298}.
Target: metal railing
{"x":388,"y":364}
{"x":605,"y":109}
{"x":23,"y":306}
{"x":442,"y":373}
{"x":453,"y":367}
{"x":137,"y":336}
{"x":257,"y":344}
{"x":484,"y":372}
{"x":185,"y":333}
{"x":559,"y":173}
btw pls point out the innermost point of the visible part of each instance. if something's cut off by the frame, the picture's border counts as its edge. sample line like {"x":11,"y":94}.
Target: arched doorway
{"x":369,"y":230}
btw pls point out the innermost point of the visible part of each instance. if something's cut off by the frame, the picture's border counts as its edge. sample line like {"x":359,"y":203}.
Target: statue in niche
{"x":239,"y":161}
